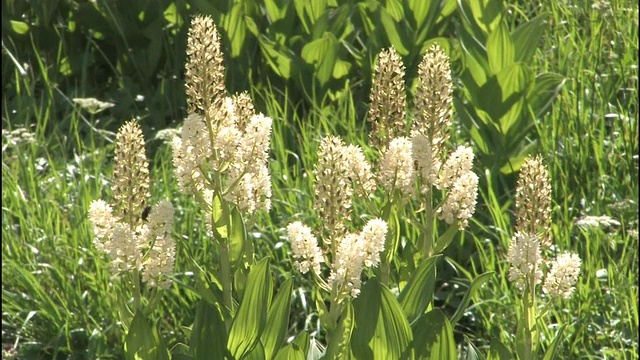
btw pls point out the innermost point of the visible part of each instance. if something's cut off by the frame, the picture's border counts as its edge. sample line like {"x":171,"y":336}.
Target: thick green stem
{"x":427,"y":239}
{"x":225,"y":275}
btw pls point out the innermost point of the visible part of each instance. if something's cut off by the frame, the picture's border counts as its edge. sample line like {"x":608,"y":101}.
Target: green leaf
{"x":279,"y":61}
{"x":209,"y":334}
{"x":341,"y":338}
{"x":275,"y":331}
{"x":513,"y":82}
{"x":500,"y":49}
{"x":433,"y":337}
{"x":251,"y":318}
{"x":19,"y":27}
{"x":545,"y":89}
{"x":476,"y":284}
{"x":392,"y":32}
{"x":445,"y":239}
{"x":418,"y":292}
{"x":526,"y":38}
{"x":381,"y":329}
{"x":233,"y":22}
{"x":297,"y":350}
{"x":395,"y":9}
{"x":277,"y":9}
{"x":419,"y":9}
{"x":551,"y":351}
{"x":257,"y":353}
{"x":220,"y":214}
{"x":497,"y":351}
{"x":237,"y":237}
{"x":473,"y":353}
{"x":486,"y":14}
{"x":143,"y":342}
{"x":322,"y":54}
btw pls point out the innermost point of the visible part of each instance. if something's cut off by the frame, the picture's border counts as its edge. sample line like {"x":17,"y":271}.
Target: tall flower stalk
{"x":137,"y":237}
{"x":221,"y":154}
{"x":527,"y":251}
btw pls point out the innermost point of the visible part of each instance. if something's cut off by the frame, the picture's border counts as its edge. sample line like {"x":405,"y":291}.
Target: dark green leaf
{"x":497,"y":351}
{"x":476,"y":284}
{"x":143,"y":342}
{"x":418,"y":292}
{"x":551,"y":351}
{"x":339,"y":344}
{"x":433,"y":337}
{"x":526,"y":38}
{"x":209,"y":334}
{"x":546,"y":88}
{"x":297,"y":350}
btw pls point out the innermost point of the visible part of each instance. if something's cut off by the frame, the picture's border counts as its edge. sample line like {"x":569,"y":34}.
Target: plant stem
{"x":225,"y":274}
{"x":427,"y":239}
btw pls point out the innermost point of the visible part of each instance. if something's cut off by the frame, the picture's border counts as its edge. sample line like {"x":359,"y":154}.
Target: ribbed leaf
{"x":500,"y":49}
{"x":476,"y":284}
{"x":433,"y":336}
{"x":279,"y":61}
{"x":143,"y":342}
{"x":237,"y":237}
{"x":497,"y":351}
{"x":277,"y":9}
{"x":251,"y":318}
{"x":322,"y":53}
{"x":277,"y":320}
{"x":554,"y":344}
{"x":392,"y":29}
{"x":297,"y":350}
{"x":209,"y":335}
{"x":339,"y":344}
{"x":417,"y":294}
{"x":545,"y":89}
{"x":526,"y":38}
{"x":381,"y":329}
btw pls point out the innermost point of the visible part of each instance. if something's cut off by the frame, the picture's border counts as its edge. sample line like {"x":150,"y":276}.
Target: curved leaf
{"x":476,"y":284}
{"x":433,"y":337}
{"x":297,"y":350}
{"x":417,"y":294}
{"x":277,"y":320}
{"x":209,"y":335}
{"x":381,"y":329}
{"x":251,"y":318}
{"x":143,"y":342}
{"x":500,"y":49}
{"x":526,"y":38}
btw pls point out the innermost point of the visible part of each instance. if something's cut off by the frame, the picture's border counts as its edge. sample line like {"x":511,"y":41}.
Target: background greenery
{"x":309,"y":68}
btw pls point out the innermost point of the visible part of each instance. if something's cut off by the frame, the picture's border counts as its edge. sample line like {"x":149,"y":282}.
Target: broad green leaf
{"x":550,"y":353}
{"x":487,"y":14}
{"x":497,"y":351}
{"x":475,"y":60}
{"x":220,"y":214}
{"x":181,"y":351}
{"x":251,"y":318}
{"x":445,"y":239}
{"x":476,"y":284}
{"x":280,"y":62}
{"x":418,"y":293}
{"x":381,"y":328}
{"x":513,"y":82}
{"x":209,"y":334}
{"x":277,"y":9}
{"x":143,"y":342}
{"x":433,"y":337}
{"x":251,"y":25}
{"x":419,"y":10}
{"x":500,"y":49}
{"x":526,"y":38}
{"x":391,"y":28}
{"x":275,"y":331}
{"x":234,"y":24}
{"x":257,"y":353}
{"x":342,"y":336}
{"x":297,"y":350}
{"x":546,"y":88}
{"x":322,"y":53}
{"x":19,"y":27}
{"x":237,"y":237}
{"x":395,"y":9}
{"x":341,"y":69}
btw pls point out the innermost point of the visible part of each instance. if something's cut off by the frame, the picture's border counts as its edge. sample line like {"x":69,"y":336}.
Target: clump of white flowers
{"x":121,"y":231}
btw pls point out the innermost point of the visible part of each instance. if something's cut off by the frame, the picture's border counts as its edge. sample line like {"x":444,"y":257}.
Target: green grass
{"x":59,"y":297}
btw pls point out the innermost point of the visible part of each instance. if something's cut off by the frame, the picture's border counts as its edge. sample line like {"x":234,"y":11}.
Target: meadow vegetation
{"x":543,"y":98}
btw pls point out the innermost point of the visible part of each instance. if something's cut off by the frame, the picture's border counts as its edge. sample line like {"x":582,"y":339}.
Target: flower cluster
{"x":354,"y":252}
{"x":532,"y":237}
{"x":121,"y":231}
{"x":223,"y":146}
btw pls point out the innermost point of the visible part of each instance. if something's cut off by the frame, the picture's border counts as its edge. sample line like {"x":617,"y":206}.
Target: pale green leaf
{"x":277,"y":320}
